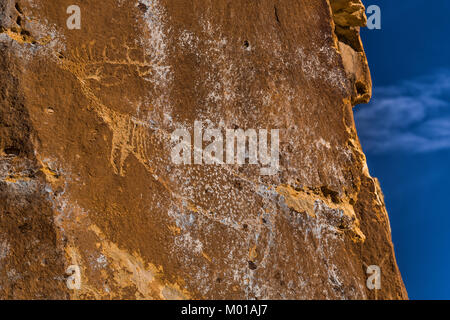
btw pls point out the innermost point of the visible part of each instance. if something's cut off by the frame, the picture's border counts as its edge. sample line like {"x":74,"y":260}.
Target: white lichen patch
{"x":317,"y":65}
{"x":155,"y":42}
{"x":4,"y":249}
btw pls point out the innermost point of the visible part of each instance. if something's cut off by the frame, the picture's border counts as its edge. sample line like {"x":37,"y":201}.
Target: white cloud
{"x":413,"y":116}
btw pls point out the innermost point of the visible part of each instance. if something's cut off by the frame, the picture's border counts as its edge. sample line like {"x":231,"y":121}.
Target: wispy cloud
{"x":413,"y":116}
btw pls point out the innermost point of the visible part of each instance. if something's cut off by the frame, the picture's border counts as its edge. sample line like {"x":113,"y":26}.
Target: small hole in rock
{"x":252,"y":265}
{"x":361,"y":88}
{"x":142,"y":7}
{"x":18,"y":8}
{"x":19,"y":20}
{"x":246,"y":44}
{"x":12,"y":151}
{"x":25,"y":227}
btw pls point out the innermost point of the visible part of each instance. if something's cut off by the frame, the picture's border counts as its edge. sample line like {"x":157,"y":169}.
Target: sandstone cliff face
{"x":86,"y":176}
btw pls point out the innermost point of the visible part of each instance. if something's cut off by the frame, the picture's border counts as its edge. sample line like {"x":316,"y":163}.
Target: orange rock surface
{"x":86,"y":176}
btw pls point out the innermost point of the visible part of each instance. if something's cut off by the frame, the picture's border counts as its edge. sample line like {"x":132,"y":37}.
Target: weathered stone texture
{"x":86,"y":176}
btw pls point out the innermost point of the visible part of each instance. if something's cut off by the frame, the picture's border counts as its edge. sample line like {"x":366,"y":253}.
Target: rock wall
{"x":86,"y":171}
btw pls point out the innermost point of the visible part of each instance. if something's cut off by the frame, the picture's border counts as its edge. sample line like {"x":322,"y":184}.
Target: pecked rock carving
{"x":86,"y":176}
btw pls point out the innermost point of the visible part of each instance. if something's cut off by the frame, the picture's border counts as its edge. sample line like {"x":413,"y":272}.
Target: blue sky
{"x":405,"y":133}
